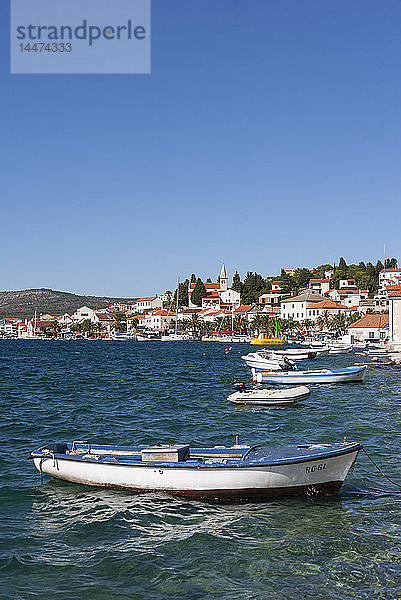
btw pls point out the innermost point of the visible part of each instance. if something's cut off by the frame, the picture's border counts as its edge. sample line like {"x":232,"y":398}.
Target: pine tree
{"x":182,"y":294}
{"x":198,"y":293}
{"x":236,"y":285}
{"x":193,"y":278}
{"x":342,"y":265}
{"x":379,"y":267}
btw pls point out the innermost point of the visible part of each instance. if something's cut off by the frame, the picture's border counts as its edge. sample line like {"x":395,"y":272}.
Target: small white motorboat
{"x":340,"y":348}
{"x":265,"y":397}
{"x":296,"y":353}
{"x":218,"y":473}
{"x":346,"y":375}
{"x":267,"y":359}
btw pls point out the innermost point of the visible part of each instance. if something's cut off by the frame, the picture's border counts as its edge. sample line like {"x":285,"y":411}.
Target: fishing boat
{"x":236,"y":472}
{"x":264,"y":397}
{"x":266,"y":359}
{"x":346,"y":375}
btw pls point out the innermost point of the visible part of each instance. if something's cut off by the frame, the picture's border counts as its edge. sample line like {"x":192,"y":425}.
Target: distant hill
{"x":23,"y":303}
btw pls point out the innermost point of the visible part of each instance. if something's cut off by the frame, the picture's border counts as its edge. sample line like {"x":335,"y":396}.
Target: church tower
{"x":223,"y":279}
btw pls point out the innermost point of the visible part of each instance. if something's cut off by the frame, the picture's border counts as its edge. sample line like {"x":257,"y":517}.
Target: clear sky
{"x":266,"y":136}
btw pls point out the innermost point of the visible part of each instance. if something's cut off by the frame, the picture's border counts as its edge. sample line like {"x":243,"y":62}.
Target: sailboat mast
{"x":176,"y":307}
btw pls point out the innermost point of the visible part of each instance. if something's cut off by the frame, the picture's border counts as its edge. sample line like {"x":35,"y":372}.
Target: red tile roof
{"x":326,"y":304}
{"x":244,"y":308}
{"x":319,"y":280}
{"x":146,"y":298}
{"x":370,"y":322}
{"x":208,"y":286}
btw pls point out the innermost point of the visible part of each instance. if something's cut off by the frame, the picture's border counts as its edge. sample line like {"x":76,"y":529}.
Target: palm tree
{"x":98,"y":327}
{"x":240,"y":324}
{"x":339,"y":323}
{"x":307,"y":325}
{"x":194,"y":323}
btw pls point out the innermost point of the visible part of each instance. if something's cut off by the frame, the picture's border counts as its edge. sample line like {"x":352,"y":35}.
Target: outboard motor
{"x":239,"y":386}
{"x":289,"y":364}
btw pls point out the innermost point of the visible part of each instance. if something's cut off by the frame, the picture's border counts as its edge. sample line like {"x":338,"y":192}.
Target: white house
{"x":272,"y":298}
{"x":276,"y":286}
{"x":318,"y":309}
{"x":159,"y":320}
{"x":395,"y":318}
{"x":348,"y":297}
{"x":146,"y":303}
{"x":347,"y":283}
{"x":370,"y":328}
{"x":319,"y":286}
{"x":84,"y":313}
{"x":391,"y":276}
{"x":296,"y":307}
{"x":230,"y":297}
{"x":65,"y":320}
{"x":9,"y":327}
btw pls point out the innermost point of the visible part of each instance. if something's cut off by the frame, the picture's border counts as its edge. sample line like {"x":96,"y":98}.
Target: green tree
{"x":182,"y":294}
{"x":379,"y":267}
{"x":193,"y":278}
{"x":208,"y":280}
{"x":288,"y":283}
{"x":194,"y":323}
{"x":342,"y":265}
{"x":301,"y":277}
{"x":199,"y":292}
{"x":339,"y":323}
{"x":390,"y":263}
{"x":236,"y":285}
{"x":254,"y":285}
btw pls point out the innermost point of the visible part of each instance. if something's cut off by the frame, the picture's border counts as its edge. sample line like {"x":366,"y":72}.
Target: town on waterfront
{"x":359,"y":302}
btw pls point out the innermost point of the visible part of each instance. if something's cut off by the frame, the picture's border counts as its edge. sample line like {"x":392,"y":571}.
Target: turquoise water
{"x":60,"y":540}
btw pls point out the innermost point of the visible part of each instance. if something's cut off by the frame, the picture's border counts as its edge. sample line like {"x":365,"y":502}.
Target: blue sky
{"x":266,"y":136}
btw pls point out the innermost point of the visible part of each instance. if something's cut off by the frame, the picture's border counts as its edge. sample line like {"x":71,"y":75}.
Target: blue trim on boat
{"x":256,"y":456}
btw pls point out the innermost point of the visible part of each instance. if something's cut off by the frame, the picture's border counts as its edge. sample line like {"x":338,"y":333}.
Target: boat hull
{"x":270,"y":397}
{"x":353,"y":375}
{"x":314,"y":475}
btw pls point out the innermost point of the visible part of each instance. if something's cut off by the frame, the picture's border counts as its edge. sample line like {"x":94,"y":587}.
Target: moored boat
{"x":267,"y":359}
{"x":340,"y":348}
{"x":237,"y":472}
{"x":276,"y":341}
{"x":296,"y":353}
{"x":346,"y":375}
{"x":267,"y":397}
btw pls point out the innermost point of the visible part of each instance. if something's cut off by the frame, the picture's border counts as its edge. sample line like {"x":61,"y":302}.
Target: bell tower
{"x":223,"y":279}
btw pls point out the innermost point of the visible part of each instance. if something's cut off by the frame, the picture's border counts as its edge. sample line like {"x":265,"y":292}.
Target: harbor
{"x":132,"y":394}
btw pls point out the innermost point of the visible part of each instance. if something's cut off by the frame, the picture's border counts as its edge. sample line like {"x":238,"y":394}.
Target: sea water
{"x":60,"y":540}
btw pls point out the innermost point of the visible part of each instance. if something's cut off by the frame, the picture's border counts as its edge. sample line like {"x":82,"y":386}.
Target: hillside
{"x":24,"y":303}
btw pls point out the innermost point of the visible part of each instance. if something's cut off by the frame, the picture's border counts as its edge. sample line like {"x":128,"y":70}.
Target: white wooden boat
{"x":346,"y":375}
{"x":339,"y":348}
{"x":296,"y":353}
{"x":266,"y":397}
{"x":266,"y":359}
{"x":237,"y":472}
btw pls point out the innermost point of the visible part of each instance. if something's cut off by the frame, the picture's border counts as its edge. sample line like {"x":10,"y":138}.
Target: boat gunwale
{"x":325,"y":454}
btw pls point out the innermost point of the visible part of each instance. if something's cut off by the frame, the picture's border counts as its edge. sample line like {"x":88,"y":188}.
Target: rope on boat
{"x":380,"y":471}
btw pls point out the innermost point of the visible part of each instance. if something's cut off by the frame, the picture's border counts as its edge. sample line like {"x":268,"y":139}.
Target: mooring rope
{"x":380,"y":471}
